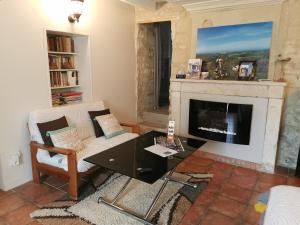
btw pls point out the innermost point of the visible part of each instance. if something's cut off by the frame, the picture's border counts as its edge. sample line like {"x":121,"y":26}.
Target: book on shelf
{"x":60,"y":43}
{"x":64,"y":79}
{"x":67,"y":62}
{"x":54,"y":62}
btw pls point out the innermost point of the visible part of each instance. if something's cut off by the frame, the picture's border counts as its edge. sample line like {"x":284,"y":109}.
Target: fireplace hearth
{"x":219,"y":121}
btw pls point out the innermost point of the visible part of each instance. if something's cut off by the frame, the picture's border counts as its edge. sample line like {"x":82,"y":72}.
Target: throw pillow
{"x":110,"y":125}
{"x":93,"y":114}
{"x":50,"y":126}
{"x":66,"y":138}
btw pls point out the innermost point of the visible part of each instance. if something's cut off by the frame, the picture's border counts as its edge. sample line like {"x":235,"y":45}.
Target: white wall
{"x":23,"y":67}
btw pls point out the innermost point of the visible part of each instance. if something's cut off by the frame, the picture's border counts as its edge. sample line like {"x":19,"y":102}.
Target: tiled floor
{"x":228,"y":199}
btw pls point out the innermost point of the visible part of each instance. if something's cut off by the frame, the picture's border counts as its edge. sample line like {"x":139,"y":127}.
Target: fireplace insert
{"x":219,"y":121}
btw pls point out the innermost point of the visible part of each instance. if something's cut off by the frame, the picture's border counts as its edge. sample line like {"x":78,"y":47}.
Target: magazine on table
{"x":162,"y":148}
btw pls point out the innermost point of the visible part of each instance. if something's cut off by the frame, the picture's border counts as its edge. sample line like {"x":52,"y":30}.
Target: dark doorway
{"x":163,"y":60}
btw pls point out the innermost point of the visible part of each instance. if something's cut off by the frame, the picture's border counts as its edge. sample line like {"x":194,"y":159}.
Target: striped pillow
{"x":66,"y":138}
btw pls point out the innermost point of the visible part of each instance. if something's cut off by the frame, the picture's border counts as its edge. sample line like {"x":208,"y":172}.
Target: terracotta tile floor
{"x":228,"y":199}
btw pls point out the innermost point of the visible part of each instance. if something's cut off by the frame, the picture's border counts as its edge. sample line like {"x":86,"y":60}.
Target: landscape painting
{"x":233,"y":44}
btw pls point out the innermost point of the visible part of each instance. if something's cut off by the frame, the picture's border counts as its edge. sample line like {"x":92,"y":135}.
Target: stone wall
{"x":290,"y":131}
{"x":145,"y":68}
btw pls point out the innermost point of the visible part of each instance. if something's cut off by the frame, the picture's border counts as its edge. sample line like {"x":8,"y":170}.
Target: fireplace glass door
{"x":219,"y":121}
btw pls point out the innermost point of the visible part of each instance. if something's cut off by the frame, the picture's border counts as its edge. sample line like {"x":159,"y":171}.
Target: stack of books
{"x":63,"y":98}
{"x":60,"y":43}
{"x":72,"y":97}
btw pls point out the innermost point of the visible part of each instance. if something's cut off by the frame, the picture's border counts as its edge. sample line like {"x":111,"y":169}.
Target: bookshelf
{"x":68,"y":67}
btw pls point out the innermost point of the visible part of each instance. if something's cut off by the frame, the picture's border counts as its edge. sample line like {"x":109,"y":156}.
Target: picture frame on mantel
{"x":247,"y":70}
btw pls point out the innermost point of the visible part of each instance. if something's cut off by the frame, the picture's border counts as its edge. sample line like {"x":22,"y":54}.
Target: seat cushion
{"x":283,"y":206}
{"x":92,"y":146}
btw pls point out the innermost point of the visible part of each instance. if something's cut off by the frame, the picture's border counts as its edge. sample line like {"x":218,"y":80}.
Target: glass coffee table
{"x":131,"y":159}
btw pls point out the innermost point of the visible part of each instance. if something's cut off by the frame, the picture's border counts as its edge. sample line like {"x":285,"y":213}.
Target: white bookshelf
{"x":61,"y":53}
{"x":73,"y":79}
{"x":65,"y":87}
{"x":63,"y":70}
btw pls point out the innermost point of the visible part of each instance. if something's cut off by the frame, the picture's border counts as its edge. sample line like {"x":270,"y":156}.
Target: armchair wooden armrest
{"x":135,"y":127}
{"x":57,"y":150}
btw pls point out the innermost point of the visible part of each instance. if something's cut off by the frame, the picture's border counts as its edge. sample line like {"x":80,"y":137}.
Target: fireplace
{"x":219,"y":121}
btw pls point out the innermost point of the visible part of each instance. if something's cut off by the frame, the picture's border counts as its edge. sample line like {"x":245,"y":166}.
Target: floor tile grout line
{"x":57,"y":188}
{"x":51,"y":185}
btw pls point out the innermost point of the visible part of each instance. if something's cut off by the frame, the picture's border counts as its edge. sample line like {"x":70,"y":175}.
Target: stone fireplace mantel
{"x":267,"y":98}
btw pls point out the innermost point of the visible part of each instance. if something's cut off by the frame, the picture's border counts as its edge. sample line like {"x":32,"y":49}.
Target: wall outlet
{"x":15,"y":159}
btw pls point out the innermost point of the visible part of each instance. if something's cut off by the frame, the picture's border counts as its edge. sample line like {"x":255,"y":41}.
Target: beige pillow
{"x":66,"y":138}
{"x":110,"y":125}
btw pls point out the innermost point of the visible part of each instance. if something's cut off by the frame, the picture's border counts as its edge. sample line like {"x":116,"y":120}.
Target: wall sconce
{"x":76,"y":9}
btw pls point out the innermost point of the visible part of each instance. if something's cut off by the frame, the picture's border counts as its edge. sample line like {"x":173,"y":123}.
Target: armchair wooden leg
{"x":35,"y":170}
{"x":73,"y":181}
{"x":36,"y":175}
{"x":73,"y":187}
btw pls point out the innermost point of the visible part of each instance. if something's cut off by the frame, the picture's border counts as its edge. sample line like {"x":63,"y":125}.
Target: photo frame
{"x":194,"y":67}
{"x":247,"y":70}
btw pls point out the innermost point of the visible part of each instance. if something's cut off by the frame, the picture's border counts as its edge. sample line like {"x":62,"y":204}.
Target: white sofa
{"x":76,"y":115}
{"x":283,"y":206}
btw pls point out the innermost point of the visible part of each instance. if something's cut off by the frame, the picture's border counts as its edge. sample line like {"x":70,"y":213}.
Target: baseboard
{"x":10,"y":184}
{"x":282,"y":170}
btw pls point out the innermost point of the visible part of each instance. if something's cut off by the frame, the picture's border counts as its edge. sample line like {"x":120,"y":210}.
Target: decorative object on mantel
{"x":282,"y":61}
{"x":204,"y":75}
{"x":180,"y":75}
{"x":247,"y":70}
{"x":227,"y":46}
{"x":220,"y":72}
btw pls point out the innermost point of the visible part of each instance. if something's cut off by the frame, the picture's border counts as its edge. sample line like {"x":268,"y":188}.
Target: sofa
{"x":67,"y":164}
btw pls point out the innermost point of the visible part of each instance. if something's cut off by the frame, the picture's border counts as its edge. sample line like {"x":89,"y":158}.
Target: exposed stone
{"x":290,"y":132}
{"x":289,"y":146}
{"x":145,"y":68}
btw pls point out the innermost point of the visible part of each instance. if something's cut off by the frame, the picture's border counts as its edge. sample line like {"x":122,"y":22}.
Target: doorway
{"x":154,"y":59}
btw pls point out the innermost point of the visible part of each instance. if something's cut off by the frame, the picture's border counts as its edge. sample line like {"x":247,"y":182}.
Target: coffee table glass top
{"x":131,"y":159}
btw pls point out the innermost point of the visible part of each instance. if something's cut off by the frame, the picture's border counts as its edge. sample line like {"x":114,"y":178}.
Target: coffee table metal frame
{"x":168,"y":177}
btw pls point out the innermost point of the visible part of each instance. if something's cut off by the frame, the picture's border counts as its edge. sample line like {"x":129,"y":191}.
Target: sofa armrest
{"x":63,"y":151}
{"x":134,"y":127}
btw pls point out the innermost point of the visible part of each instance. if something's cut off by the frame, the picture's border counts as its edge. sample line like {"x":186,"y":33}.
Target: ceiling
{"x":200,"y":5}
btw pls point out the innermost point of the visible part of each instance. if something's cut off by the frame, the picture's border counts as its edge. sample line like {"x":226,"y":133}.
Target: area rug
{"x":169,"y":210}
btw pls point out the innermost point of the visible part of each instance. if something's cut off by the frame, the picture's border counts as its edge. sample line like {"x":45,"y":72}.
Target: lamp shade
{"x":75,"y":10}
